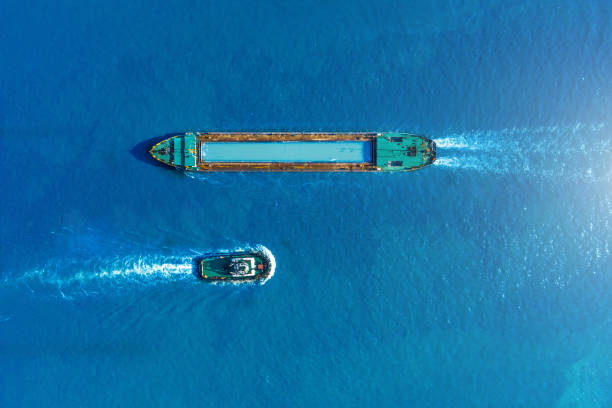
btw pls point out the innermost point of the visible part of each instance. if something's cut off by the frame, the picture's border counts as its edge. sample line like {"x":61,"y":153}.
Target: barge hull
{"x":389,"y":151}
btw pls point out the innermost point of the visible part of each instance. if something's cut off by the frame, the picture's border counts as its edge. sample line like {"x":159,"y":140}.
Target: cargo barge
{"x":286,"y":151}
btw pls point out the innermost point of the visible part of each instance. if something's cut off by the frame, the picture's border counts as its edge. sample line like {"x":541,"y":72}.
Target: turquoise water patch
{"x":303,"y":152}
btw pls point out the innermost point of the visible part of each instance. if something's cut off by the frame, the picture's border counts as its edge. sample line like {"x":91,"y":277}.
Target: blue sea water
{"x":482,"y":281}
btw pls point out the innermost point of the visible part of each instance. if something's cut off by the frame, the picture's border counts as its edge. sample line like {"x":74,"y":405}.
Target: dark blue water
{"x":482,"y":281}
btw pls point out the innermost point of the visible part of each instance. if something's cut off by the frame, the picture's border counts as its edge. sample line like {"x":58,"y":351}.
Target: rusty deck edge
{"x":282,"y":136}
{"x":228,"y":166}
{"x":288,"y":167}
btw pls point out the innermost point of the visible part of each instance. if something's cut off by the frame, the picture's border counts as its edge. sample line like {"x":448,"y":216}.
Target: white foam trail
{"x":90,"y":275}
{"x":149,"y":270}
{"x":474,"y":163}
{"x":516,"y":137}
{"x":270,"y":256}
{"x":452,"y":143}
{"x":576,"y":153}
{"x":447,"y":162}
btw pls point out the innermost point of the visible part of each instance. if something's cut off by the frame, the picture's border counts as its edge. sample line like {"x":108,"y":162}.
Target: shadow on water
{"x":141,"y":150}
{"x":194,"y":266}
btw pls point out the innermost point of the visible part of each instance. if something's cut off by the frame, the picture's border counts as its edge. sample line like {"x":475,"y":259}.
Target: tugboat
{"x":236,"y":267}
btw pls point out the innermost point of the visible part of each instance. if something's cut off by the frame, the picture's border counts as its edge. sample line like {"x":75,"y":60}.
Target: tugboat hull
{"x":236,"y":267}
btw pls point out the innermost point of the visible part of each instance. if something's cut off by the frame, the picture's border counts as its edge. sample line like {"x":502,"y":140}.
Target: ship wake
{"x":71,"y":277}
{"x":578,"y":153}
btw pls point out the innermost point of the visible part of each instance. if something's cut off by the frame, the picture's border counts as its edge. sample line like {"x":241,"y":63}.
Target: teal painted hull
{"x":224,"y":151}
